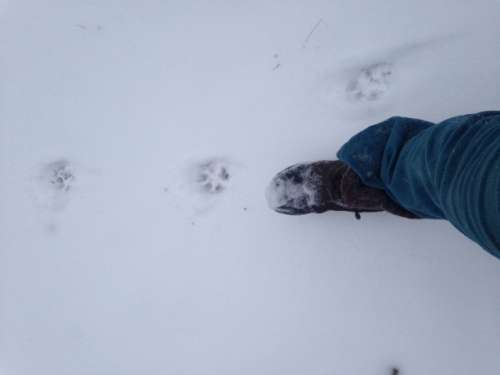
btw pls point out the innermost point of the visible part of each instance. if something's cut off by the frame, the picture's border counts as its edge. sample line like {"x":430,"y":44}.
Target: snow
{"x":143,"y":258}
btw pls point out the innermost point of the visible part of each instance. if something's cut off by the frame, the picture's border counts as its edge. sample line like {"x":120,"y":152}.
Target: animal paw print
{"x":60,"y":175}
{"x":371,"y":83}
{"x":54,"y":185}
{"x":213,"y":176}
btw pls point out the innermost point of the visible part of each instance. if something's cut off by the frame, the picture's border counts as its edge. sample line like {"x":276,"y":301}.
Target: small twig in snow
{"x":311,"y":33}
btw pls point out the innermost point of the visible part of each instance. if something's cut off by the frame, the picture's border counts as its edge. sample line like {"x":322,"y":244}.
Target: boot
{"x":327,"y":186}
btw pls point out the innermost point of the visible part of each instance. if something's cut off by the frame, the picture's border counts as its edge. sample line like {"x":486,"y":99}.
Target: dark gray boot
{"x":327,"y":186}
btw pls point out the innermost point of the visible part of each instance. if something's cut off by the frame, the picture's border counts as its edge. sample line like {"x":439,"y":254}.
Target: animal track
{"x":60,"y":175}
{"x":213,"y":176}
{"x":198,"y":185}
{"x":54,"y":184}
{"x":371,"y":83}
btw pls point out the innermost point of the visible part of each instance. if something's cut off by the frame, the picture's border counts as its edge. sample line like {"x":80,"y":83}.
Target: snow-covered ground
{"x":137,"y":140}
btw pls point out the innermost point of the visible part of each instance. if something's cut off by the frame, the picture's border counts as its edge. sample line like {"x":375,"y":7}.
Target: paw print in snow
{"x":60,"y":175}
{"x":371,"y":83}
{"x":213,"y":176}
{"x":54,"y":185}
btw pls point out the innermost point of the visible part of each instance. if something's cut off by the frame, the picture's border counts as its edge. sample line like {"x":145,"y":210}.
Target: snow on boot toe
{"x":293,"y":191}
{"x":305,"y":188}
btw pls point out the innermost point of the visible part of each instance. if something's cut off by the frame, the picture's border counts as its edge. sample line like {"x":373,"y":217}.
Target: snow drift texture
{"x":137,"y":140}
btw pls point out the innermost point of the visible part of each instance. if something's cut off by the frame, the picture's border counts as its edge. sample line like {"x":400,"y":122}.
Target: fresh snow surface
{"x":137,"y":140}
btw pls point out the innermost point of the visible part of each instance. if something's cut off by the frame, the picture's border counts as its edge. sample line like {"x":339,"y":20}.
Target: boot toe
{"x":293,"y":191}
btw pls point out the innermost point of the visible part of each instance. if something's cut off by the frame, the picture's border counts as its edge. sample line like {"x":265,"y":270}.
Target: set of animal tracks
{"x":195,"y":184}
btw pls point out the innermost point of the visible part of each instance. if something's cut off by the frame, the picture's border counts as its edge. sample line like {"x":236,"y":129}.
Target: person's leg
{"x":447,"y":171}
{"x":356,"y":194}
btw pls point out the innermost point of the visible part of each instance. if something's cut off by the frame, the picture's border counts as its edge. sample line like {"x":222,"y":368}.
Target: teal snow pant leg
{"x":449,"y":170}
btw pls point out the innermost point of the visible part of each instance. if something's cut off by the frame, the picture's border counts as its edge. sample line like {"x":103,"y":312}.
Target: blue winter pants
{"x":449,"y":170}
